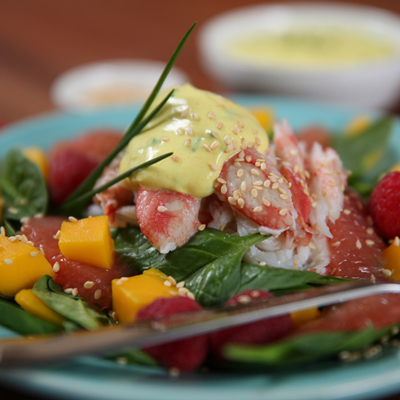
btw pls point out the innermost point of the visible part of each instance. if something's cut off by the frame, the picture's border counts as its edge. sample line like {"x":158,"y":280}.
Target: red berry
{"x":255,"y":333}
{"x":185,"y":354}
{"x":355,"y":249}
{"x":384,"y":206}
{"x":68,"y":169}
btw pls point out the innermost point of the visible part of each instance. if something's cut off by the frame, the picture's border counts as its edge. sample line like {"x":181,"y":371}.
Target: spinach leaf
{"x":366,"y":154}
{"x":18,"y":320}
{"x":22,"y":187}
{"x":306,"y":348}
{"x":74,"y":308}
{"x":209,"y":263}
{"x":279,"y":279}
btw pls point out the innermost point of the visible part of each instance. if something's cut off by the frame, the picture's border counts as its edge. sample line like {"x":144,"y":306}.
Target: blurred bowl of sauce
{"x":340,"y":53}
{"x":110,"y":83}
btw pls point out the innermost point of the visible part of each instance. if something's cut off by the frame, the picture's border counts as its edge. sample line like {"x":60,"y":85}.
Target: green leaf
{"x":22,"y":187}
{"x":73,"y":308}
{"x":18,"y":320}
{"x":10,"y":231}
{"x":134,"y":356}
{"x":366,"y":154}
{"x":279,"y":279}
{"x":209,"y":263}
{"x":306,"y":348}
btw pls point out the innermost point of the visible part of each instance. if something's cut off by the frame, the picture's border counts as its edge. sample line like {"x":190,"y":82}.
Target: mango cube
{"x":358,"y":124}
{"x":131,"y":294}
{"x":264,"y":116}
{"x":21,"y":265}
{"x":392,"y":257}
{"x":32,"y":304}
{"x":299,"y":317}
{"x":38,"y":157}
{"x":88,"y":241}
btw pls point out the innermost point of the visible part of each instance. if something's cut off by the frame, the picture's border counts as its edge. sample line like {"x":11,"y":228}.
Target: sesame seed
{"x":176,"y":158}
{"x":97,"y":294}
{"x":267,"y":183}
{"x":188,"y":142}
{"x":372,"y":278}
{"x":243,"y":144}
{"x":254,"y":293}
{"x":235,"y":129}
{"x":324,"y":191}
{"x":358,"y":244}
{"x":72,"y":219}
{"x":235,"y":144}
{"x":220,"y":180}
{"x":201,"y":227}
{"x":88,"y":284}
{"x":189,"y":130}
{"x":285,"y":163}
{"x":180,"y":284}
{"x":283,"y":211}
{"x":314,"y":204}
{"x":231,"y":200}
{"x":258,"y":141}
{"x":165,"y":138}
{"x":248,"y":158}
{"x":34,"y":253}
{"x":255,"y":172}
{"x":293,"y":152}
{"x":207,"y":147}
{"x":228,"y":148}
{"x":211,"y":115}
{"x":68,"y":290}
{"x":185,"y":112}
{"x":12,"y":238}
{"x":162,"y":208}
{"x":316,"y":226}
{"x":243,"y":185}
{"x":258,"y":183}
{"x":56,"y":266}
{"x":311,"y":245}
{"x":190,"y":295}
{"x":282,"y":190}
{"x":237,"y":164}
{"x":262,"y":263}
{"x":369,"y":242}
{"x":74,"y":292}
{"x":346,"y":211}
{"x":227,"y":139}
{"x":275,"y":185}
{"x":244,"y":299}
{"x":336,"y":244}
{"x":254,"y":193}
{"x":240,"y":173}
{"x":396,"y":241}
{"x":119,"y":282}
{"x":42,"y":249}
{"x":215,"y":134}
{"x":3,"y":231}
{"x":387,"y":272}
{"x":370,"y":231}
{"x":295,"y":264}
{"x":195,"y":117}
{"x":220,"y":125}
{"x":13,"y":210}
{"x":214,"y":144}
{"x":284,"y":196}
{"x":237,"y":194}
{"x":257,"y":209}
{"x":8,"y":261}
{"x":183,"y":291}
{"x":266,"y":202}
{"x":240,"y":203}
{"x":124,"y":278}
{"x":167,"y":283}
{"x":224,"y":189}
{"x":213,"y":166}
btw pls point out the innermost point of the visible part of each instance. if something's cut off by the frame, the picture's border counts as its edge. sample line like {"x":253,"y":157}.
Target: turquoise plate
{"x":96,"y":379}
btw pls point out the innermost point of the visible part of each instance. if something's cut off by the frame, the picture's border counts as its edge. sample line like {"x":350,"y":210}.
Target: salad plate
{"x":96,"y":378}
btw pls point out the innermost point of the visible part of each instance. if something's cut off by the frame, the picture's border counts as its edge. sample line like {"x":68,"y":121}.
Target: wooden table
{"x":39,"y":39}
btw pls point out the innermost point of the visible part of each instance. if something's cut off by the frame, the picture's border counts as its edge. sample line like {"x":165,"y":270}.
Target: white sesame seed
{"x":254,"y":193}
{"x":56,"y":266}
{"x":224,"y":189}
{"x":207,"y":147}
{"x":188,"y":142}
{"x":266,"y":202}
{"x":257,"y":209}
{"x":88,"y":284}
{"x":243,"y":185}
{"x":183,"y":291}
{"x":283,"y":211}
{"x":220,"y":125}
{"x":57,"y":235}
{"x":68,"y":290}
{"x":167,"y":283}
{"x":220,"y":180}
{"x":176,"y":158}
{"x":248,"y":158}
{"x":240,"y":173}
{"x":275,"y":185}
{"x":42,"y":250}
{"x":358,"y":244}
{"x":189,"y":130}
{"x":97,"y":294}
{"x":215,"y":134}
{"x":346,"y":211}
{"x":214,"y":144}
{"x":3,"y":231}
{"x":311,"y":245}
{"x":75,"y":292}
{"x":231,"y":200}
{"x":12,"y":238}
{"x":180,"y":131}
{"x":228,"y":148}
{"x":8,"y":261}
{"x":240,"y":203}
{"x":243,"y":299}
{"x":165,"y":138}
{"x":255,"y":172}
{"x":195,"y":117}
{"x":370,"y":231}
{"x":33,"y":253}
{"x":180,"y":284}
{"x":396,"y":241}
{"x":262,"y":263}
{"x":185,"y":112}
{"x":211,"y":115}
{"x":213,"y":166}
{"x":72,"y":219}
{"x":267,"y":183}
{"x":387,"y":272}
{"x":369,"y":243}
{"x":336,"y":244}
{"x":190,"y":295}
{"x":162,"y":208}
{"x":201,"y":227}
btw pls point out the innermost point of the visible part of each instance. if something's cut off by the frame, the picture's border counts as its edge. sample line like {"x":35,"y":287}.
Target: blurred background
{"x":41,"y":39}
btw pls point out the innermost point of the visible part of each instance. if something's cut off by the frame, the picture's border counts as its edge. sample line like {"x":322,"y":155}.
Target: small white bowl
{"x":110,"y":83}
{"x":372,"y":84}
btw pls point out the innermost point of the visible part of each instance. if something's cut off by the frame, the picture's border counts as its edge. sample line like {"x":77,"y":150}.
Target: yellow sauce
{"x":203,"y":130}
{"x":312,"y":46}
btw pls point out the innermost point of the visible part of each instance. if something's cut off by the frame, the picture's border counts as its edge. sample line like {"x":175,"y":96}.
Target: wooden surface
{"x":39,"y":39}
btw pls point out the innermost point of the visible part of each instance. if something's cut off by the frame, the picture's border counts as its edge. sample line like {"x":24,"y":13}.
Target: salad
{"x":205,"y":205}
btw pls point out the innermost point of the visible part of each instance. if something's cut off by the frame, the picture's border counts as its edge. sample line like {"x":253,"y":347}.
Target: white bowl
{"x":108,"y":83}
{"x":372,"y":84}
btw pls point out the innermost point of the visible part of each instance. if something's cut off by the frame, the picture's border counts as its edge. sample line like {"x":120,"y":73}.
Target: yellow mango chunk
{"x":21,"y":265}
{"x":264,"y":116}
{"x":32,"y":304}
{"x":392,"y":257}
{"x":136,"y":292}
{"x":38,"y":156}
{"x":300,"y":317}
{"x":395,"y":167}
{"x":357,"y":125}
{"x":88,"y":241}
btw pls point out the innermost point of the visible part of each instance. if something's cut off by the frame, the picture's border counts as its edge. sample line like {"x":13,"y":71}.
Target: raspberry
{"x":255,"y":333}
{"x":384,"y":206}
{"x":68,"y":169}
{"x":185,"y":354}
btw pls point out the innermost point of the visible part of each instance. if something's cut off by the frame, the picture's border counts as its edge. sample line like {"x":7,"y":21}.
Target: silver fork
{"x":49,"y":348}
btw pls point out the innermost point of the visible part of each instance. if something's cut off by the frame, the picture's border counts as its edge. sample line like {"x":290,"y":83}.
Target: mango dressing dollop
{"x":203,"y":130}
